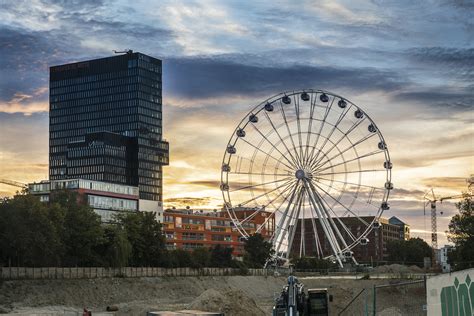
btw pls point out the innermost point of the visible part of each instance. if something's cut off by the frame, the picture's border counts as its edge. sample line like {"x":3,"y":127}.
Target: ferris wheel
{"x":310,"y":171}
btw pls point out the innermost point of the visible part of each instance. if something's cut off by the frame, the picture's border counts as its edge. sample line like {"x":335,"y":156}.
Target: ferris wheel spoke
{"x":310,"y":127}
{"x":295,"y":161}
{"x":319,"y":200}
{"x":342,"y":115}
{"x":342,"y":205}
{"x":297,"y":109}
{"x":263,"y":174}
{"x":266,"y":193}
{"x":334,"y":127}
{"x":264,"y":152}
{"x":321,"y":126}
{"x":352,"y":128}
{"x":347,"y":172}
{"x":260,"y":184}
{"x":264,"y":137}
{"x":351,"y":183}
{"x":348,"y":231}
{"x":272,"y":213}
{"x":356,"y":196}
{"x":324,"y":224}
{"x":349,"y":160}
{"x":345,"y":136}
{"x":286,"y":189}
{"x":290,"y":134}
{"x":317,"y":164}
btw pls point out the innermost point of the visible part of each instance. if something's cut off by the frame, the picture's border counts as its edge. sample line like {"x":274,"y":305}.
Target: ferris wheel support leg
{"x":319,"y":199}
{"x":328,"y":217}
{"x":277,"y":236}
{"x":288,"y":227}
{"x":325,"y":226}
{"x":293,"y":230}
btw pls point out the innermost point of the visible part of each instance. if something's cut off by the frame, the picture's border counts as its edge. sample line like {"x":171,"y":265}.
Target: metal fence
{"x":405,"y":298}
{"x":15,"y":273}
{"x":394,"y":298}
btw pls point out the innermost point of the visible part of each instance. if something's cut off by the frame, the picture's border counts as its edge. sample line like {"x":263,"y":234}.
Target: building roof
{"x":396,"y":221}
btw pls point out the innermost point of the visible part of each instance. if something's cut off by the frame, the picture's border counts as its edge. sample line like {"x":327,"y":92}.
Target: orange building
{"x":189,"y":229}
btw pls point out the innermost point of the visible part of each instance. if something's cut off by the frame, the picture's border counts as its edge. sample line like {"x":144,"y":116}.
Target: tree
{"x":412,"y":251}
{"x":461,"y":233}
{"x":116,"y":249}
{"x":180,"y":258}
{"x":257,"y":251}
{"x":201,"y":257}
{"x":82,"y":232}
{"x":27,"y":234}
{"x":221,"y":257}
{"x":145,"y":236}
{"x":307,"y":263}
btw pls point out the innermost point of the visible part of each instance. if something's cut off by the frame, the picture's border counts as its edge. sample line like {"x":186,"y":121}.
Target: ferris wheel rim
{"x":261,"y":107}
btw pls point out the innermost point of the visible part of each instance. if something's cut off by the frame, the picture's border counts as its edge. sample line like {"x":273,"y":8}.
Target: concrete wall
{"x":451,"y":294}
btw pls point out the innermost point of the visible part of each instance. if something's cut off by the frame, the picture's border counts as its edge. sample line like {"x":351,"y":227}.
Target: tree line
{"x":65,"y":233}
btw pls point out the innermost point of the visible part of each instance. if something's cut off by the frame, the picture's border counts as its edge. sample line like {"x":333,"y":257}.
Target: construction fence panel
{"x":400,"y":298}
{"x":16,"y":273}
{"x":359,"y":305}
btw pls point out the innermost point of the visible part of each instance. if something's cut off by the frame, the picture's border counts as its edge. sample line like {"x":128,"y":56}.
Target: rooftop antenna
{"x":126,"y":51}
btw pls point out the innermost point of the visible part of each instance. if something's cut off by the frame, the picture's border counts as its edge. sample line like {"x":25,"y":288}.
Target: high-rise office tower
{"x":106,"y":123}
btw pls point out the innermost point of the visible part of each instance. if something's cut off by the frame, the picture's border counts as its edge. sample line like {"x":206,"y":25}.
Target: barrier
{"x":32,"y":273}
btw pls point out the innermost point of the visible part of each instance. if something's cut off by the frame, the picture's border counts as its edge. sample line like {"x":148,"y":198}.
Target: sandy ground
{"x":234,"y":295}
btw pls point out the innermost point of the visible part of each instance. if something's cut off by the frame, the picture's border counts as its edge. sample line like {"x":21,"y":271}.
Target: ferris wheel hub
{"x":301,"y":174}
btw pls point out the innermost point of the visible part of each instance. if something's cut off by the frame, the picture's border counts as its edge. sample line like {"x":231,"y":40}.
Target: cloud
{"x":462,"y":100}
{"x":22,"y":103}
{"x":205,"y":77}
{"x":447,"y":182}
{"x":182,"y":202}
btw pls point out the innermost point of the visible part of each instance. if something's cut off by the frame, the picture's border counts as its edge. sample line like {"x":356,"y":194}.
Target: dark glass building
{"x":106,"y":122}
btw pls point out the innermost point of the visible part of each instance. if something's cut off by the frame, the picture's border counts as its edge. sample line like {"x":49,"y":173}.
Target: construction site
{"x":232,"y":295}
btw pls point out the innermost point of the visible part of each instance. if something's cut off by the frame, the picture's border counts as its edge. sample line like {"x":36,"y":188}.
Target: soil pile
{"x":398,"y":268}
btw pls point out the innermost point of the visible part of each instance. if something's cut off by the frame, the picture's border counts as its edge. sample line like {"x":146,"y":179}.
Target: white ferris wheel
{"x":317,"y":165}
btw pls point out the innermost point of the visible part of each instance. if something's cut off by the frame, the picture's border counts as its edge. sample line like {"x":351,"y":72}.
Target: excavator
{"x":294,"y":301}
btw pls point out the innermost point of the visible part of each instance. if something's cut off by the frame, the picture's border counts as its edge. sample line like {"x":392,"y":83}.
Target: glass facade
{"x":106,"y":122}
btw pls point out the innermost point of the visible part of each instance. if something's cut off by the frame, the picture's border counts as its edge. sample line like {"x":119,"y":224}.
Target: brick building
{"x":374,"y":251}
{"x":190,"y":229}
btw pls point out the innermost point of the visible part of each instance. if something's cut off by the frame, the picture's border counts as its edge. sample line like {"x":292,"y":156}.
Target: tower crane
{"x":432,"y":202}
{"x":13,"y":183}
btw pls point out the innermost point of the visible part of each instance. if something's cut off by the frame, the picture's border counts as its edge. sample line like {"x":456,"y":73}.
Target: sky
{"x":409,"y":64}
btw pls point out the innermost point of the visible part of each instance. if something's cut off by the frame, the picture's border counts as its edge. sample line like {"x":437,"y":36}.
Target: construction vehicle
{"x":294,"y":301}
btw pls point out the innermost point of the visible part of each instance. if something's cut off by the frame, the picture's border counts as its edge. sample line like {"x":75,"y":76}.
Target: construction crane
{"x":432,"y":202}
{"x":126,"y":51}
{"x":13,"y":183}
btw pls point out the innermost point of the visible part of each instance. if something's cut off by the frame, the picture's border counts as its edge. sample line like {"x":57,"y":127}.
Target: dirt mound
{"x":398,"y":268}
{"x":232,"y":303}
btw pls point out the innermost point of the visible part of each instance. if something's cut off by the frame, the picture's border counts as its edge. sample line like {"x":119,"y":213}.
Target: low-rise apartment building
{"x":190,"y":229}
